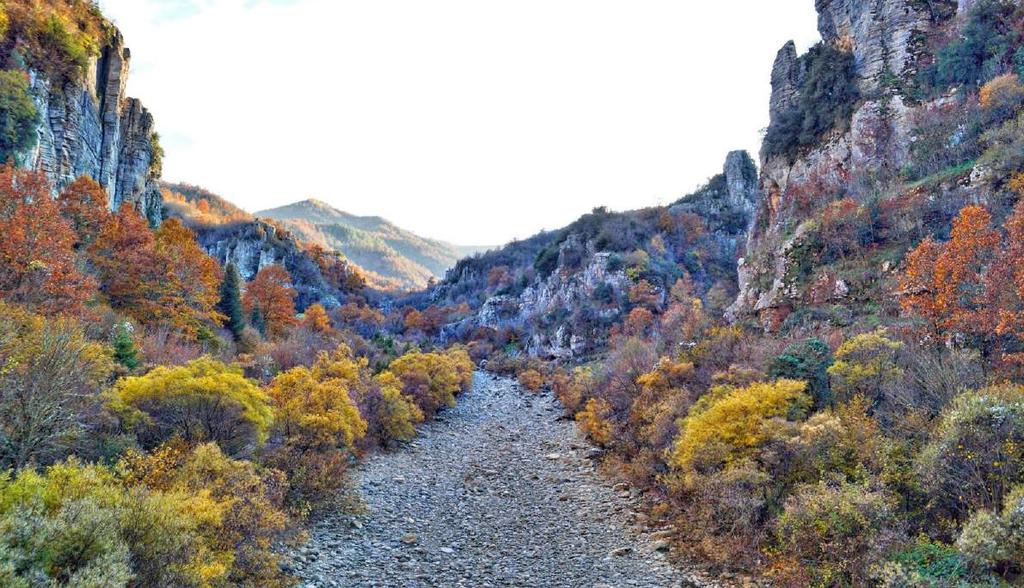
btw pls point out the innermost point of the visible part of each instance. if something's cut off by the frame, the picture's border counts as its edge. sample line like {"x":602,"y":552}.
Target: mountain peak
{"x":391,"y":256}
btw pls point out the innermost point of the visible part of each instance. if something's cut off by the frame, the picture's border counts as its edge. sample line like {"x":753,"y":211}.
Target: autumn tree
{"x":1004,"y":281}
{"x":124,"y":256}
{"x":271,"y":296}
{"x":158,"y":279}
{"x":945,"y":283}
{"x":188,"y":291}
{"x":230,"y":304}
{"x":316,"y":320}
{"x":973,"y":284}
{"x":83,"y":203}
{"x":49,"y":384}
{"x":37,"y":252}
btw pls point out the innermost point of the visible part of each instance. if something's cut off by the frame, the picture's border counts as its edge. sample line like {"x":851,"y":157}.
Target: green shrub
{"x":996,"y":539}
{"x":838,"y":530}
{"x":863,"y":365}
{"x":806,"y":360}
{"x":87,"y":525}
{"x":63,"y":536}
{"x":71,"y":49}
{"x":1004,"y":147}
{"x":826,"y":100}
{"x":925,"y":563}
{"x":987,"y":46}
{"x":18,"y":116}
{"x":976,"y":453}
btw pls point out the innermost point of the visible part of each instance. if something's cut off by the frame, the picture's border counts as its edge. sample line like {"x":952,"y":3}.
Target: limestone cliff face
{"x":253,"y":245}
{"x":884,"y":35}
{"x":886,"y":38}
{"x":89,"y":127}
{"x":568,"y":311}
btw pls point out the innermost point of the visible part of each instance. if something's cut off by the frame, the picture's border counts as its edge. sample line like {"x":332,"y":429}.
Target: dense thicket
{"x":826,"y":97}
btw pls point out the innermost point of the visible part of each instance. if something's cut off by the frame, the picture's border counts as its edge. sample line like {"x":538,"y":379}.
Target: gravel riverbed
{"x":496,"y":492}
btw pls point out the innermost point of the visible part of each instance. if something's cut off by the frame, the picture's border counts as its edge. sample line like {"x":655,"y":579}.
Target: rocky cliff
{"x":253,"y":245}
{"x":887,"y":40}
{"x":391,"y":257}
{"x":562,"y":292}
{"x":88,"y":126}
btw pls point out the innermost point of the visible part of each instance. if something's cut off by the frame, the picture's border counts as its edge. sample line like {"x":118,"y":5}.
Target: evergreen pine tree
{"x":257,"y":321}
{"x":124,"y":347}
{"x":230,"y":304}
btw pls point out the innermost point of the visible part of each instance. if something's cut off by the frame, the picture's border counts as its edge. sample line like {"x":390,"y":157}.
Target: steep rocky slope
{"x":392,"y":257}
{"x":231,"y":235}
{"x":863,"y":158}
{"x":86,"y":124}
{"x":563,"y":291}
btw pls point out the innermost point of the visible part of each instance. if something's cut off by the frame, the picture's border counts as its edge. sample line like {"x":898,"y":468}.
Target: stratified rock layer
{"x":886,"y":38}
{"x":88,"y":127}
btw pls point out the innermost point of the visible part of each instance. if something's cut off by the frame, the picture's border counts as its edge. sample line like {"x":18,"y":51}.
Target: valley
{"x":497,"y":492}
{"x":808,"y":370}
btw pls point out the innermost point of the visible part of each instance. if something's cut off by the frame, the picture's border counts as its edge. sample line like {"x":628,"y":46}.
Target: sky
{"x":471,"y":121}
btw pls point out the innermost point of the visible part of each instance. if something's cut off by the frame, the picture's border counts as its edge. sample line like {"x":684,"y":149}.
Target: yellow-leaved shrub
{"x":314,"y":407}
{"x":433,"y":379}
{"x":727,"y":424}
{"x":595,"y":421}
{"x":204,"y":400}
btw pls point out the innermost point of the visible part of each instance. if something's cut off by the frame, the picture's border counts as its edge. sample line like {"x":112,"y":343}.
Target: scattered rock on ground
{"x":496,"y":493}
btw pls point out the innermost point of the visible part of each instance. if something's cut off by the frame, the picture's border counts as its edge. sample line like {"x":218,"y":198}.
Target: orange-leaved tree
{"x":159,"y":279}
{"x":270,"y":299}
{"x":945,"y":282}
{"x":84,"y":204}
{"x":37,"y":248}
{"x":189,"y":288}
{"x":1004,"y":281}
{"x":124,"y":256}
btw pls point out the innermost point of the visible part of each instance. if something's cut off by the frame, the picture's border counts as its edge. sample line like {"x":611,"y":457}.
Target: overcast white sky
{"x":474,"y":121}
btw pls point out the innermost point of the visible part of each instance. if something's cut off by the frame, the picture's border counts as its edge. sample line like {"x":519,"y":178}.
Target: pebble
{"x":496,"y":493}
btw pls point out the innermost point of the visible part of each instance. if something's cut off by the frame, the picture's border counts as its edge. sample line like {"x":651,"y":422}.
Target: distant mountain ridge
{"x":393,"y":258}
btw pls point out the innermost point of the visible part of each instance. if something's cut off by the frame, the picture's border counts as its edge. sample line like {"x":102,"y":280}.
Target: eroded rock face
{"x":252,"y":246}
{"x":884,"y":35}
{"x":886,"y":39}
{"x":89,"y":127}
{"x":786,"y":74}
{"x":559,"y":293}
{"x":559,"y":310}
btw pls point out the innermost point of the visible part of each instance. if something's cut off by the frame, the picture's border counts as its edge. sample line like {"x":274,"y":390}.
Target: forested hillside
{"x":182,"y":387}
{"x":808,"y":372}
{"x":391,"y":258}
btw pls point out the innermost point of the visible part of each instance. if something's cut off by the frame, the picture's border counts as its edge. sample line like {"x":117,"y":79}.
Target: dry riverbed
{"x":497,"y":492}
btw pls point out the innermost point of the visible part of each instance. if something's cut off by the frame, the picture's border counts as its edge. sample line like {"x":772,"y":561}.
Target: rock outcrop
{"x":87,"y":126}
{"x":884,"y":35}
{"x":252,"y":246}
{"x":567,"y":311}
{"x":887,"y":40}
